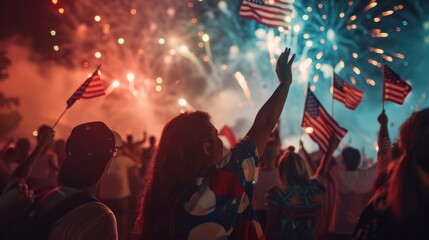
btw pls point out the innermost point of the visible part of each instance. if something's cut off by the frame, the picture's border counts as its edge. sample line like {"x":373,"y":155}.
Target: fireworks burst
{"x":161,"y":51}
{"x":353,"y":37}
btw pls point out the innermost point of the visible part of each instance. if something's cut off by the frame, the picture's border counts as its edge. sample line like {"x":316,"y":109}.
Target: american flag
{"x":318,"y":124}
{"x":395,"y":89}
{"x":229,"y":134}
{"x":91,"y":88}
{"x":345,"y":93}
{"x":271,"y":13}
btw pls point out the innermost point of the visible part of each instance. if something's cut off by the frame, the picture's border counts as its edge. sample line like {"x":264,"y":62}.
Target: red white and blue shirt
{"x":218,"y":205}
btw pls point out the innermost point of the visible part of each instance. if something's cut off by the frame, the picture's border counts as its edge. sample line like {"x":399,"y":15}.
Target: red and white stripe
{"x":91,"y":88}
{"x":395,"y":89}
{"x":271,"y":13}
{"x":323,"y":128}
{"x":350,"y":96}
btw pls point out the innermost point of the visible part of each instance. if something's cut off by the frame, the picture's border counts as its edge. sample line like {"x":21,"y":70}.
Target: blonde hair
{"x":293,"y":169}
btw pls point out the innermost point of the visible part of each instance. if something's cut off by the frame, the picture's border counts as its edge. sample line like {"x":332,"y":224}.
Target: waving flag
{"x":272,"y":13}
{"x":229,"y":134}
{"x":395,"y":89}
{"x":318,"y":124}
{"x":91,"y":88}
{"x":345,"y":93}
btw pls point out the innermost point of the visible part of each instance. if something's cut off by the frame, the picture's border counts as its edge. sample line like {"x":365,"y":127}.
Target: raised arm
{"x":24,"y":169}
{"x":384,"y":144}
{"x":308,"y":158}
{"x":327,"y":158}
{"x":269,"y":114}
{"x":143,"y":140}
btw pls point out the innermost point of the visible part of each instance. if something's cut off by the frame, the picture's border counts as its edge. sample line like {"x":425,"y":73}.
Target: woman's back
{"x":298,"y":206}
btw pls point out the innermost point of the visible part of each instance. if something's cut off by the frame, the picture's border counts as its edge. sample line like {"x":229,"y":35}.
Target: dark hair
{"x":176,"y":163}
{"x":130,"y":138}
{"x":293,"y":169}
{"x":23,"y":144}
{"x":21,"y":151}
{"x":404,"y":195}
{"x":351,"y":158}
{"x":40,"y":132}
{"x":271,"y":152}
{"x":152,"y":140}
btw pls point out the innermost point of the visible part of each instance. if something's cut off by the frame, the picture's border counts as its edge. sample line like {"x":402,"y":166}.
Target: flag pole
{"x":96,"y":71}
{"x":303,"y":113}
{"x":382,"y":82}
{"x":56,"y":122}
{"x":332,"y":88}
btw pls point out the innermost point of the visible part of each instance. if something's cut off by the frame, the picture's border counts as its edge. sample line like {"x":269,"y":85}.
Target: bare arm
{"x":383,"y":142}
{"x":143,"y":140}
{"x":327,"y":158}
{"x":269,"y":114}
{"x":24,"y":169}
{"x":308,"y":158}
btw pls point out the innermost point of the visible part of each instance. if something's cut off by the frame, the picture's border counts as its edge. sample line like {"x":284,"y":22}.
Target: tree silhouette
{"x":9,"y":117}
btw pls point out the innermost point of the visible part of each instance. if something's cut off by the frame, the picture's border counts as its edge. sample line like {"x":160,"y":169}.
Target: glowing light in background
{"x":309,"y":130}
{"x":182,"y":102}
{"x":130,"y":76}
{"x":200,"y":55}
{"x":243,"y":84}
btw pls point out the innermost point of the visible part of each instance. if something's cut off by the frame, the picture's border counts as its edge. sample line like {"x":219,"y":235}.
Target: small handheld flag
{"x":394,"y":88}
{"x":345,"y":93}
{"x":91,"y":88}
{"x":321,"y":126}
{"x":271,"y":13}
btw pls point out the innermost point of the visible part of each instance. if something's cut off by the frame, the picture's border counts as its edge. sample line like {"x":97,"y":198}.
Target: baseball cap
{"x":89,"y":148}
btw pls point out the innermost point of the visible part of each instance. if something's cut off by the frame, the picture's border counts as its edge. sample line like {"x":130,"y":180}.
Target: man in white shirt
{"x":354,"y":185}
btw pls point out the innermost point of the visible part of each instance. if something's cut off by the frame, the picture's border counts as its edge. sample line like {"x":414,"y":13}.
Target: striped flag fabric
{"x":318,"y":124}
{"x":395,"y":89}
{"x":91,"y":88}
{"x":345,"y":93}
{"x":272,"y":13}
{"x":229,"y":134}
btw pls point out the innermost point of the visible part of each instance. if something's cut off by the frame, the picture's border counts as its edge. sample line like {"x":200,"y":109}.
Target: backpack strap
{"x":45,"y":221}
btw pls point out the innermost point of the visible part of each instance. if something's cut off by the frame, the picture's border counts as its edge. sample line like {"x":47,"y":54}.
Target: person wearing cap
{"x":192,"y":190}
{"x":89,"y":150}
{"x":401,"y":210}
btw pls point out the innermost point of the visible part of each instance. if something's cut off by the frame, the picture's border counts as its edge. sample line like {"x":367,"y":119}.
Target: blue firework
{"x":353,"y":36}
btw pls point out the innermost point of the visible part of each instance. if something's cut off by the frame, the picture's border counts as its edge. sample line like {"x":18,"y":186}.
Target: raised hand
{"x":382,"y":118}
{"x":301,"y":144}
{"x":284,"y":66}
